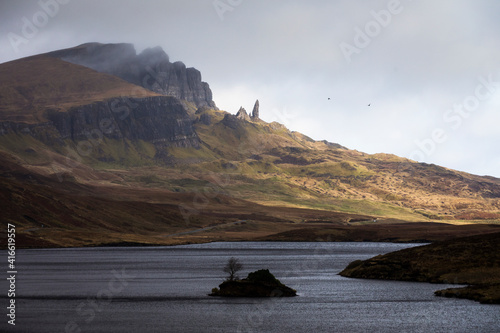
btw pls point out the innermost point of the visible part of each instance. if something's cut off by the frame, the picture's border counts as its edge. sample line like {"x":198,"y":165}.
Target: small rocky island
{"x":260,"y":283}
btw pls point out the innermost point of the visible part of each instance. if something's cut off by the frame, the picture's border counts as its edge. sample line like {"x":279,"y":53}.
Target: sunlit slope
{"x":265,"y":163}
{"x":30,"y":86}
{"x":269,"y":164}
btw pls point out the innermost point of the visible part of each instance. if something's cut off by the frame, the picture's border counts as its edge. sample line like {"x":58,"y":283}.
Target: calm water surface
{"x":164,"y":289}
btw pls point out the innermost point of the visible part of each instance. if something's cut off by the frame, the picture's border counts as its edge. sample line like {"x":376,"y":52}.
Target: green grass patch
{"x":118,"y":154}
{"x":26,"y":147}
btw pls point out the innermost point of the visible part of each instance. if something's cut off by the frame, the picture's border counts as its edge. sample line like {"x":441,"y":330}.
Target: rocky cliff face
{"x":150,"y":69}
{"x":160,"y":120}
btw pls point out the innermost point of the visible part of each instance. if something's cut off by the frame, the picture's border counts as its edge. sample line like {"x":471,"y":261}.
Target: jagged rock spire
{"x":255,"y":112}
{"x":242,"y":114}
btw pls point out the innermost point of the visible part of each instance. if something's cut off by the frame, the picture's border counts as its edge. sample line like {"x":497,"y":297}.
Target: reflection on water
{"x":164,"y":289}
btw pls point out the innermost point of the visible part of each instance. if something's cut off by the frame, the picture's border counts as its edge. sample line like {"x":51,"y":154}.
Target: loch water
{"x":165,"y":289}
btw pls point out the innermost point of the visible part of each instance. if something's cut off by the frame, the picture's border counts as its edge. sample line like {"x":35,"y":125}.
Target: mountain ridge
{"x":26,"y":93}
{"x":78,"y":126}
{"x":151,"y":69}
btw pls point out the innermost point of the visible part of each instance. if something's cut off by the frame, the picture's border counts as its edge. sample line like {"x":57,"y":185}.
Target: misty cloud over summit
{"x":150,"y":69}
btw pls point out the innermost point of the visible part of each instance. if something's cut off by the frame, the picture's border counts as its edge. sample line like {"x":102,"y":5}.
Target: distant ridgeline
{"x":106,"y":107}
{"x":117,"y":95}
{"x":132,"y":109}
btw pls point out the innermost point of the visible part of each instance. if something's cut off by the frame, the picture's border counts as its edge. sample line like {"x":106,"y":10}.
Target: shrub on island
{"x":260,"y":283}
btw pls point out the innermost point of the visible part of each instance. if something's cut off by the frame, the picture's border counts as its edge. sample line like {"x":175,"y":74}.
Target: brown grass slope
{"x":30,"y":86}
{"x":267,"y":163}
{"x":51,"y":211}
{"x":384,"y":231}
{"x":61,"y":212}
{"x":320,"y":174}
{"x":281,"y":184}
{"x":471,"y":260}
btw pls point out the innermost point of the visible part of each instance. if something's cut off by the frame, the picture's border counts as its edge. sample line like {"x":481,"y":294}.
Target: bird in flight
{"x":369,"y":104}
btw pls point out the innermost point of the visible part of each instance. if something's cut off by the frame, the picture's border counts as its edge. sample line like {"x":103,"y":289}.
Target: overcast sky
{"x":427,"y":68}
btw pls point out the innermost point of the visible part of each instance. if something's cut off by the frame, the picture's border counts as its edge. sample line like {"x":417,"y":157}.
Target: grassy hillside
{"x":30,"y":86}
{"x":275,"y":180}
{"x":272,"y":166}
{"x":471,"y":260}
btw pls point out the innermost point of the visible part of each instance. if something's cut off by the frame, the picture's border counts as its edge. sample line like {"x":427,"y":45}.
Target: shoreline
{"x":252,"y":230}
{"x":472,"y":261}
